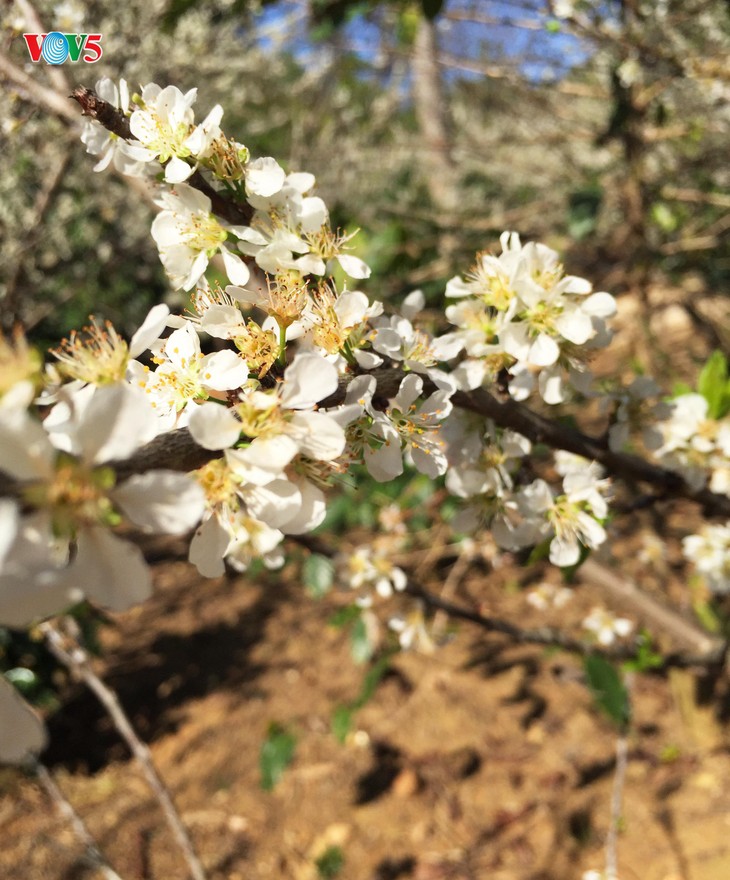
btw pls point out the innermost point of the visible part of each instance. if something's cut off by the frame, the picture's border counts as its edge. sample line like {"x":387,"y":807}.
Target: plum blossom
{"x":290,"y":231}
{"x":520,"y":311}
{"x":412,"y":630}
{"x":164,"y":125}
{"x":280,"y":423}
{"x":606,"y":627}
{"x":709,"y":551}
{"x":187,"y":235}
{"x":184,"y":374}
{"x":370,"y":569}
{"x":77,"y":499}
{"x":127,"y":157}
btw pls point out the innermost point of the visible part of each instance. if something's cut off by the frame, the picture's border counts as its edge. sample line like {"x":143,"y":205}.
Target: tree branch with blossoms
{"x":308,"y":379}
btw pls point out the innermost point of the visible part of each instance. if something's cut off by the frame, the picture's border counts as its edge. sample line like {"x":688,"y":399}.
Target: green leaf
{"x":342,"y":722}
{"x":680,"y":388}
{"x":318,"y":573}
{"x":361,"y":647}
{"x":712,"y":384}
{"x":277,"y":752}
{"x":330,"y":863}
{"x":343,"y":616}
{"x":608,"y":690}
{"x":646,"y":657}
{"x":372,"y":680}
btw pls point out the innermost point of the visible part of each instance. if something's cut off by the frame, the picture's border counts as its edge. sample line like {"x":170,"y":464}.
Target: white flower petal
{"x":150,"y":331}
{"x":213,"y":426}
{"x":109,"y":571}
{"x":353,"y":266}
{"x":208,"y":548}
{"x":161,"y":501}
{"x":22,"y":735}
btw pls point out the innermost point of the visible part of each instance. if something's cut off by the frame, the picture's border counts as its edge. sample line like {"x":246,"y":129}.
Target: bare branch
{"x":66,"y":648}
{"x":93,"y":856}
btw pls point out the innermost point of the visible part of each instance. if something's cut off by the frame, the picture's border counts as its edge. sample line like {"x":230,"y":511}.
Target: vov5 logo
{"x":55,"y":48}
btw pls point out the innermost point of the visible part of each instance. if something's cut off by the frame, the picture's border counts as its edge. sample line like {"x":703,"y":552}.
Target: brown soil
{"x":482,"y":760}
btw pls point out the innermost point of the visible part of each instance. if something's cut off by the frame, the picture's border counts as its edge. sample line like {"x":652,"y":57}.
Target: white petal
{"x":223,"y":370}
{"x":177,"y":170}
{"x":275,"y":504}
{"x":385,"y":463}
{"x":271,"y":454}
{"x":22,"y":735}
{"x":213,"y":426}
{"x":312,"y":511}
{"x":353,"y":266}
{"x":564,"y":551}
{"x":410,"y":388}
{"x":25,"y":447}
{"x":264,"y":177}
{"x":117,"y":421}
{"x":161,"y":501}
{"x":150,"y":331}
{"x":313,"y":215}
{"x":236,"y":269}
{"x":575,"y":326}
{"x":309,"y":379}
{"x":110,"y":572}
{"x":319,"y":437}
{"x":544,"y":351}
{"x":208,"y":548}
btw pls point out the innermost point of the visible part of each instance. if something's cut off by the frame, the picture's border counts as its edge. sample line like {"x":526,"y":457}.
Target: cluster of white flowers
{"x":519,"y":311}
{"x":482,"y":466}
{"x":370,"y":570}
{"x":606,"y":627}
{"x":709,"y":551}
{"x":287,"y":398}
{"x":695,"y":445}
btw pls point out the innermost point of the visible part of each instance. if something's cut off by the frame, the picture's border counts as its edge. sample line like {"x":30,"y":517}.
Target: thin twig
{"x":93,"y":856}
{"x":617,"y":792}
{"x":453,"y":579}
{"x":66,"y":648}
{"x":550,"y":637}
{"x":619,"y":779}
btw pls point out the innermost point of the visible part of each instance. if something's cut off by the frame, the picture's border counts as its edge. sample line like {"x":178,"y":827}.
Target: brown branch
{"x":65,"y":646}
{"x":176,"y":450}
{"x":705,"y":651}
{"x":551,"y":637}
{"x":103,"y":112}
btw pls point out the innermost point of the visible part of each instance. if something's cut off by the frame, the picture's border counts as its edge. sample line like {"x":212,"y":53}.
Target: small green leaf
{"x":318,"y":573}
{"x":361,"y":647}
{"x":25,"y":680}
{"x":277,"y":752}
{"x":608,"y":689}
{"x":343,"y":616}
{"x":342,"y":722}
{"x":330,"y":863}
{"x":712,"y":383}
{"x":680,"y":388}
{"x":646,"y":657}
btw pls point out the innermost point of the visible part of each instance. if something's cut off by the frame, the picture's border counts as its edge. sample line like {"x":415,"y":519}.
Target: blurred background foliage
{"x":598,"y":127}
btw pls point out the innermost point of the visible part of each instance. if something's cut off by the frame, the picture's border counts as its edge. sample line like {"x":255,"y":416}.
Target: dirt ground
{"x":481,"y":761}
